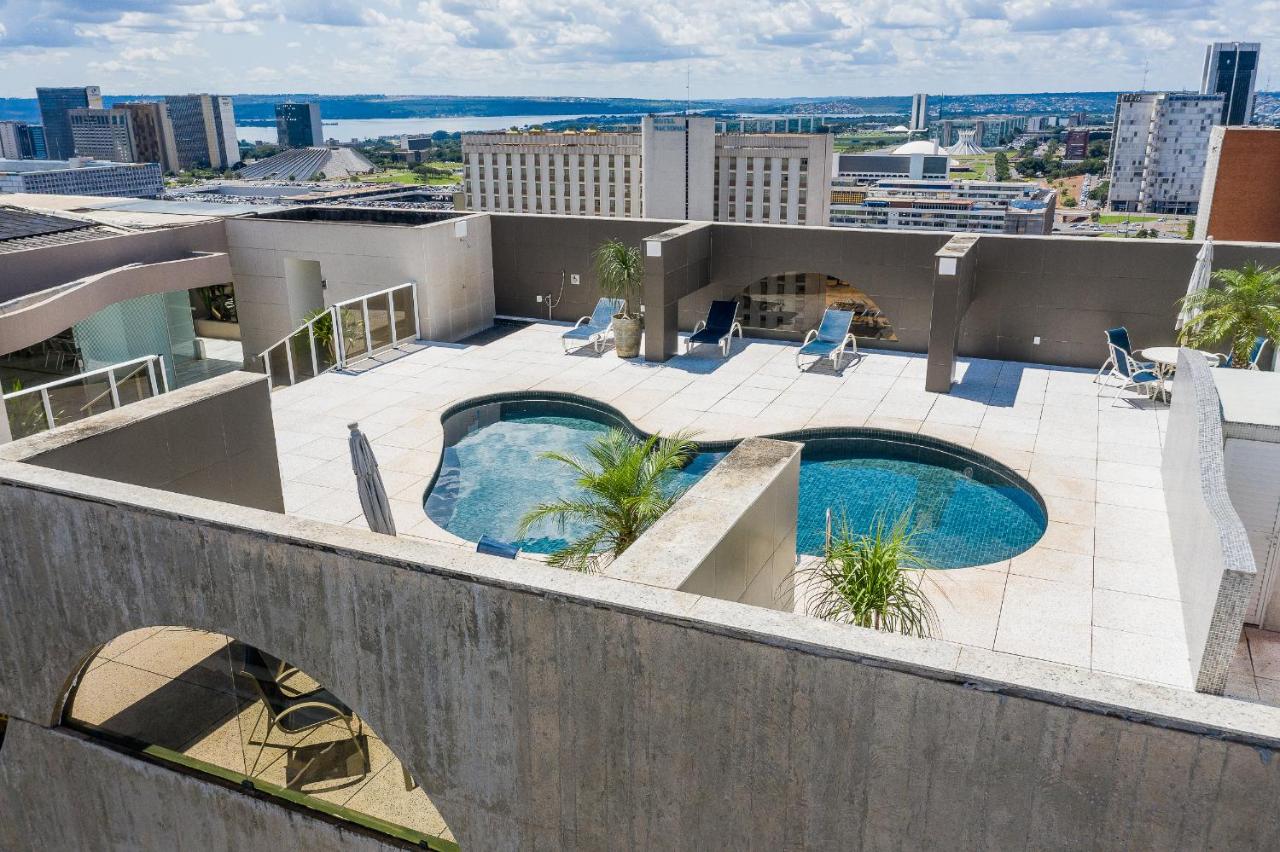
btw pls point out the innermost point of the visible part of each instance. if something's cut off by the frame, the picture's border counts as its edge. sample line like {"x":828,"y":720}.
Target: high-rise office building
{"x":152,"y":133}
{"x":14,"y":140}
{"x":54,"y":105}
{"x":298,"y":125}
{"x":1159,"y":141}
{"x":204,"y":131}
{"x":676,"y":167}
{"x":103,"y":134}
{"x":919,"y":112}
{"x":36,"y":142}
{"x":1231,"y":70}
{"x":1076,"y":145}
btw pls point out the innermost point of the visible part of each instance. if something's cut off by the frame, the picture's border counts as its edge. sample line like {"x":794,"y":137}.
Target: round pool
{"x":965,"y":508}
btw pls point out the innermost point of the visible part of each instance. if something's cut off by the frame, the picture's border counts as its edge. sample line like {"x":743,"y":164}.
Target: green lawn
{"x":1121,"y":218}
{"x":408,"y":176}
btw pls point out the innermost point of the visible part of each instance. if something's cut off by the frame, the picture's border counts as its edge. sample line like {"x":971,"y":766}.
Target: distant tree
{"x":1099,"y":192}
{"x":1068,"y":200}
{"x":1190,"y":232}
{"x":1002,"y":166}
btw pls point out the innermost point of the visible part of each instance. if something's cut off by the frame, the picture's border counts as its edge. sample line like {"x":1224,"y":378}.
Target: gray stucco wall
{"x":547,"y":709}
{"x":1068,"y":290}
{"x":46,"y":775}
{"x":682,"y":267}
{"x":213,"y":439}
{"x":531,"y":251}
{"x":732,"y":535}
{"x":1211,"y":552}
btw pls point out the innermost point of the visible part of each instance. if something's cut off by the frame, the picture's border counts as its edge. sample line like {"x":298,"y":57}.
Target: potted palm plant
{"x":620,"y":272}
{"x":868,"y":579}
{"x":1245,"y":307}
{"x":626,"y":487}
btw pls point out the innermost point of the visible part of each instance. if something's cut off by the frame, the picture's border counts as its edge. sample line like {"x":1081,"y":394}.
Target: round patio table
{"x":1165,"y":359}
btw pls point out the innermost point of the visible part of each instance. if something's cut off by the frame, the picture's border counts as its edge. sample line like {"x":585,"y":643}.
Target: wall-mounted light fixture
{"x":460,"y":229}
{"x":947,"y":266}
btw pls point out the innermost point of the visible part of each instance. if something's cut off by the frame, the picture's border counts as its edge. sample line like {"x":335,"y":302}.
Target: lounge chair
{"x":1118,"y":338}
{"x":830,"y":338}
{"x":294,"y":714}
{"x":1131,"y":373}
{"x":595,"y":329}
{"x":718,"y":327}
{"x":1255,"y":355}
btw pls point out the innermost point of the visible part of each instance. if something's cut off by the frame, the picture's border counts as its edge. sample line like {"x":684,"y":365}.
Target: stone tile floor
{"x":174,"y":687}
{"x":1091,"y":593}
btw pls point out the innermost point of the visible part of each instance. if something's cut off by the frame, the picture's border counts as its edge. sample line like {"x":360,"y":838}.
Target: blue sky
{"x":618,"y":47}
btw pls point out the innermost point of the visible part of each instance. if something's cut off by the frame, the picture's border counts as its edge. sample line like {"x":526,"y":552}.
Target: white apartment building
{"x":1158,"y":149}
{"x":676,"y":167}
{"x":945,"y":205}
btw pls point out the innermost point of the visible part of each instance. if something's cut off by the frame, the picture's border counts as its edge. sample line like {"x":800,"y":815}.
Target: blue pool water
{"x":964,"y":512}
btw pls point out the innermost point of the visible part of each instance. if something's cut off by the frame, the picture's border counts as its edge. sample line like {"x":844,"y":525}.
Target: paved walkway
{"x":1091,"y":593}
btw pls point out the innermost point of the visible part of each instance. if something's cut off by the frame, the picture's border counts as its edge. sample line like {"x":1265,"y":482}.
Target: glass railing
{"x":36,"y":409}
{"x":342,"y":334}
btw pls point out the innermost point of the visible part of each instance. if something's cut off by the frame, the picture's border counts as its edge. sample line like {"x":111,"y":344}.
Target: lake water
{"x":371,"y":128}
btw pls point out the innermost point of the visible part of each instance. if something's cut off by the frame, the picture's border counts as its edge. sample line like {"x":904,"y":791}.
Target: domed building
{"x":920,"y":146}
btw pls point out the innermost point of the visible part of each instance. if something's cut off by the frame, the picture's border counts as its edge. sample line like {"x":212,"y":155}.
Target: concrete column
{"x":954,"y":269}
{"x":5,"y":435}
{"x":676,"y":263}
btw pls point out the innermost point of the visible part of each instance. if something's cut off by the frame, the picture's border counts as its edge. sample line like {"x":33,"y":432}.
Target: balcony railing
{"x":343,"y":333}
{"x":32,"y":410}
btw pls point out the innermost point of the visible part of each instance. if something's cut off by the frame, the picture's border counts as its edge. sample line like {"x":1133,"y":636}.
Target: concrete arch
{"x":93,"y":683}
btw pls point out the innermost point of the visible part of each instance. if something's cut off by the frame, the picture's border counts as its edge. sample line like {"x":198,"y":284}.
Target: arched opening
{"x":207,"y":703}
{"x":793,"y":302}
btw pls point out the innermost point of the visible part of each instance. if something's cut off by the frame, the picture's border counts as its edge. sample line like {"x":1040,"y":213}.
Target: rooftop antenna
{"x":688,"y":86}
{"x":1146,"y":65}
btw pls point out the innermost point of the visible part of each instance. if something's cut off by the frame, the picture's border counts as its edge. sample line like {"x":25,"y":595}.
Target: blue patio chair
{"x":718,"y":327}
{"x":1131,"y":373}
{"x":1118,"y":338}
{"x":1255,"y":355}
{"x":830,"y":338}
{"x":595,"y":329}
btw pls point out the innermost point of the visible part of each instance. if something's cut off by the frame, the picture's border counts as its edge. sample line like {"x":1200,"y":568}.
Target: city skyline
{"x":623,"y":49}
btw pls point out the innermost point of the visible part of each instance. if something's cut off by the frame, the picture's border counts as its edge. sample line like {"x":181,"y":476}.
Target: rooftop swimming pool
{"x":967,"y":510}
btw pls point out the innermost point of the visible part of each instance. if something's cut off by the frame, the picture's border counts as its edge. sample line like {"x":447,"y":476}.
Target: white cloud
{"x":623,"y":47}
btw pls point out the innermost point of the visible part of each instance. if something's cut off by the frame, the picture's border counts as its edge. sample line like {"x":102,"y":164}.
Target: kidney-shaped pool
{"x":966,"y":509}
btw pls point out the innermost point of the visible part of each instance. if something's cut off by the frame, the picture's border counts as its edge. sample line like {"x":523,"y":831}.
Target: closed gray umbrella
{"x":1200,"y":277}
{"x":373,"y":496}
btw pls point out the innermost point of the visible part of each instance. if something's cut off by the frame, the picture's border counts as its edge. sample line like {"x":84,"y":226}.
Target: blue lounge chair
{"x":595,"y":329}
{"x":1131,"y":373}
{"x":718,"y":327}
{"x":1118,"y":338}
{"x":1255,"y":355}
{"x":830,"y":338}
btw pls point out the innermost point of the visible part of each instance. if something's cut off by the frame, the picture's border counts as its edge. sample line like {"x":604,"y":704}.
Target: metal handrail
{"x":334,"y":313}
{"x":153,"y":364}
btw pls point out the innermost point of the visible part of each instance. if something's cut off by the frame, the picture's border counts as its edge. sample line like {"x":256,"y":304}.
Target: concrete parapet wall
{"x":213,"y":439}
{"x":45,"y":774}
{"x":548,"y":709}
{"x":732,"y":535}
{"x":1216,"y":570}
{"x":43,"y":315}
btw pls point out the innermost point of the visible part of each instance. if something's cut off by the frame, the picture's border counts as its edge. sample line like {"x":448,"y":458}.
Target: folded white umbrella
{"x":373,"y":495}
{"x":1201,"y":274}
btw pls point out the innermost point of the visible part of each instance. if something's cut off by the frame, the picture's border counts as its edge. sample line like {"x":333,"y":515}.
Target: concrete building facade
{"x":961,"y":205}
{"x":152,"y":133}
{"x":919,"y":112}
{"x":14,"y":140}
{"x":54,"y":105}
{"x":1231,"y":70}
{"x":204,"y":131}
{"x":1240,"y":196}
{"x":81,"y":177}
{"x":676,"y":167}
{"x":298,"y":125}
{"x":1159,"y":141}
{"x":104,"y":134}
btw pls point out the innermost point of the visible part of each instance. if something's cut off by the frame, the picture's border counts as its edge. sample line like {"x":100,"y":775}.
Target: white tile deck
{"x":1090,"y":593}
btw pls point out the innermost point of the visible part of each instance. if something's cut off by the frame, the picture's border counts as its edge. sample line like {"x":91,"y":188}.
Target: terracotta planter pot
{"x":626,"y":336}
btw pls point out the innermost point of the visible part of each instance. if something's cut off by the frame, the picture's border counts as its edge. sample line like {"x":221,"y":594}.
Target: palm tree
{"x":1244,"y":308}
{"x":625,"y":491}
{"x":620,"y":271}
{"x":866,"y":579}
